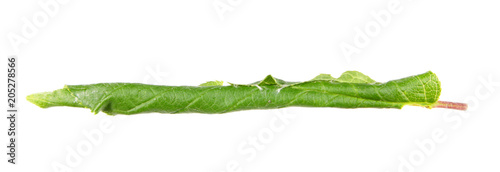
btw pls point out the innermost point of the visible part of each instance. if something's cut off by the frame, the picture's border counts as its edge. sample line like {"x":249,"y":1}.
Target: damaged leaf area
{"x":351,"y":90}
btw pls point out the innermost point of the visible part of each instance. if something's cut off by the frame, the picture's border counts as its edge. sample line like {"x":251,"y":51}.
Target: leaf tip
{"x":35,"y":99}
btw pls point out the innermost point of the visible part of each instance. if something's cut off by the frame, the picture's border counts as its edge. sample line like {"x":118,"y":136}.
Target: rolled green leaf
{"x":351,"y":90}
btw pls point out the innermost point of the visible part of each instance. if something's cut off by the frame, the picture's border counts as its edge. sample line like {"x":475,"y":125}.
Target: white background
{"x":188,"y":43}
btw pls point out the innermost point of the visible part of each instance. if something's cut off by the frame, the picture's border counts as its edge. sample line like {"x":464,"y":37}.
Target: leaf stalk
{"x":451,"y":105}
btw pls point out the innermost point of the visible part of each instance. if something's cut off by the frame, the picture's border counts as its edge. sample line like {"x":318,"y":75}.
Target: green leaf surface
{"x":323,"y":77}
{"x":355,"y":77}
{"x":351,"y":90}
{"x":213,"y":83}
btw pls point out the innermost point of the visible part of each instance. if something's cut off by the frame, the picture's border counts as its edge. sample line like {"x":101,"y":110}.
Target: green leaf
{"x":351,"y":90}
